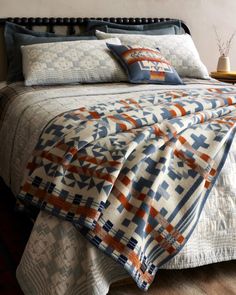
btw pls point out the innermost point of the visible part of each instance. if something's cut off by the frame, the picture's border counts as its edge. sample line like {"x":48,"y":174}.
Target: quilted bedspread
{"x":133,"y":175}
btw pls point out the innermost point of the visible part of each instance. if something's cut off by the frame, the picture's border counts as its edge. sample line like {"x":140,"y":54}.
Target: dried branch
{"x":229,"y":42}
{"x":224,"y":47}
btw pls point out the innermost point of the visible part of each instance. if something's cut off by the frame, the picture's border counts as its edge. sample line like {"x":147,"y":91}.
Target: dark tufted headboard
{"x":72,"y":25}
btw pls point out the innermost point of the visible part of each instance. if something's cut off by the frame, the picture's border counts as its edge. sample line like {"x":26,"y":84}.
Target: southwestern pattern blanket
{"x":133,"y":175}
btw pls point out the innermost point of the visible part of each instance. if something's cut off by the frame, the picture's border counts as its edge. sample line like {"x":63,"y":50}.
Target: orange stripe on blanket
{"x":96,"y":161}
{"x":173,"y":113}
{"x":182,"y":139}
{"x":205,"y":157}
{"x":58,"y":202}
{"x":125,"y":202}
{"x":157,"y":130}
{"x":130,"y":119}
{"x":95,"y":115}
{"x":134,"y":102}
{"x":83,"y":170}
{"x":153,"y":212}
{"x":224,"y":122}
{"x":122,"y":249}
{"x":230,"y":101}
{"x":122,"y":125}
{"x":148,"y":228}
{"x":182,"y":110}
{"x":125,"y":180}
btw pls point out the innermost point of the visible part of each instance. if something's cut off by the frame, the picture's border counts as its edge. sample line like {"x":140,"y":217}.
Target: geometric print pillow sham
{"x":145,"y":65}
{"x":178,"y":49}
{"x":85,"y":61}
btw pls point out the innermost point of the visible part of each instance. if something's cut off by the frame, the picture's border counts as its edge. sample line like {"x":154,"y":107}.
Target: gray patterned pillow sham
{"x":71,"y":62}
{"x":178,"y":49}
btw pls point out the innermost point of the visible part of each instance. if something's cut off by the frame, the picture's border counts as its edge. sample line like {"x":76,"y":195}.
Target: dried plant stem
{"x":224,"y":47}
{"x":228,"y":44}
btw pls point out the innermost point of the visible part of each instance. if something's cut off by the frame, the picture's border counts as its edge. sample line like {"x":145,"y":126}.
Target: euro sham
{"x":17,"y":36}
{"x":170,"y":27}
{"x":12,"y":54}
{"x":163,"y":31}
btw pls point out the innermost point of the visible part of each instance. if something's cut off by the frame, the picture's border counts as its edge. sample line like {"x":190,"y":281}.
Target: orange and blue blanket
{"x":133,"y":175}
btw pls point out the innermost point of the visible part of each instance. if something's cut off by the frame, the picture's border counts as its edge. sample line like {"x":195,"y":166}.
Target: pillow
{"x":23,"y":39}
{"x":161,"y":25}
{"x":94,"y":24}
{"x":169,"y":30}
{"x":9,"y":35}
{"x":16,"y":36}
{"x":178,"y":49}
{"x":71,"y":62}
{"x":174,"y":26}
{"x":145,"y":65}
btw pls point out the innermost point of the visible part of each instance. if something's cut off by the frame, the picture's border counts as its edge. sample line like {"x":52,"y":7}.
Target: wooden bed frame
{"x":73,"y":26}
{"x":72,"y":22}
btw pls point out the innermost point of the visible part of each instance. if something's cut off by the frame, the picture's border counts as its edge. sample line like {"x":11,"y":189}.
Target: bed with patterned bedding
{"x":184,"y":136}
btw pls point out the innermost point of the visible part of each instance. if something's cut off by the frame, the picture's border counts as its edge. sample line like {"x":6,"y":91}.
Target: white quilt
{"x":57,"y":259}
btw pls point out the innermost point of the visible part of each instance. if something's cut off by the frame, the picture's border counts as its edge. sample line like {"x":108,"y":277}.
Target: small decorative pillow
{"x":71,"y":62}
{"x":145,"y":65}
{"x":178,"y":49}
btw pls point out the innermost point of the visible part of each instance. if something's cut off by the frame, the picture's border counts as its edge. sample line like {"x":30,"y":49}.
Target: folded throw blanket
{"x":133,"y":176}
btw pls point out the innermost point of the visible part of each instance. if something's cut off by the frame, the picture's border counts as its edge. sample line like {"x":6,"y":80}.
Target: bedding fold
{"x":133,"y":174}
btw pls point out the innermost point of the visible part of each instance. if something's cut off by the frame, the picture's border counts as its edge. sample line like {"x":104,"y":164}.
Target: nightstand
{"x":227,"y":77}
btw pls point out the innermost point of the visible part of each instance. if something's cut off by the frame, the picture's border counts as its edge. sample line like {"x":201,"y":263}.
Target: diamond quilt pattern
{"x":178,"y":49}
{"x":71,"y":62}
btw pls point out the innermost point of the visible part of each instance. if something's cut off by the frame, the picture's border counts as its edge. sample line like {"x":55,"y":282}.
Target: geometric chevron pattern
{"x":133,"y":175}
{"x":145,"y":65}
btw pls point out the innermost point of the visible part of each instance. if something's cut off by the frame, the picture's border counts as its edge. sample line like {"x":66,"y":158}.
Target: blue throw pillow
{"x":17,"y":36}
{"x":145,"y":65}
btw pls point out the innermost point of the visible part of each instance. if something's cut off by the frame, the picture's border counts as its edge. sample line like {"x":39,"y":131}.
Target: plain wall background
{"x":200,"y":16}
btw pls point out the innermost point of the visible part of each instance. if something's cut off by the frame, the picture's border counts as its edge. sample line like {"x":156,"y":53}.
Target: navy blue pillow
{"x":161,"y":28}
{"x":168,"y":30}
{"x":145,"y":65}
{"x":12,"y":53}
{"x":16,"y":36}
{"x":94,"y":24}
{"x":162,"y":25}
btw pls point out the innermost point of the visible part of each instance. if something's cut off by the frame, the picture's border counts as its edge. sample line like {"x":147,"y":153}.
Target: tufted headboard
{"x":68,"y":26}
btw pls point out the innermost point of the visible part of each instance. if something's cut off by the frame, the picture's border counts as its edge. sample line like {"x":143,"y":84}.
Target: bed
{"x":57,"y":258}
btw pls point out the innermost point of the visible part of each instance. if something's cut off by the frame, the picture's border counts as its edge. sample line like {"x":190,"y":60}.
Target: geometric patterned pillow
{"x":180,"y":50}
{"x":85,"y":61}
{"x":145,"y":65}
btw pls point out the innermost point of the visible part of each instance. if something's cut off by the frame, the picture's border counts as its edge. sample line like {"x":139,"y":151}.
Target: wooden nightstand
{"x":227,"y":77}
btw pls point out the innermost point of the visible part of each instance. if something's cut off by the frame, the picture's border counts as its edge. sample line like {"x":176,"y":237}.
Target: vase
{"x":223,"y":64}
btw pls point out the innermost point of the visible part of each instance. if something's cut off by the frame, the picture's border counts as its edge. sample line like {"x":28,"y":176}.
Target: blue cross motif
{"x":199,"y":141}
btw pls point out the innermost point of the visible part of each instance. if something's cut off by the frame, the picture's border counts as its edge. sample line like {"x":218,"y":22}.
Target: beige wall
{"x":200,"y":15}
